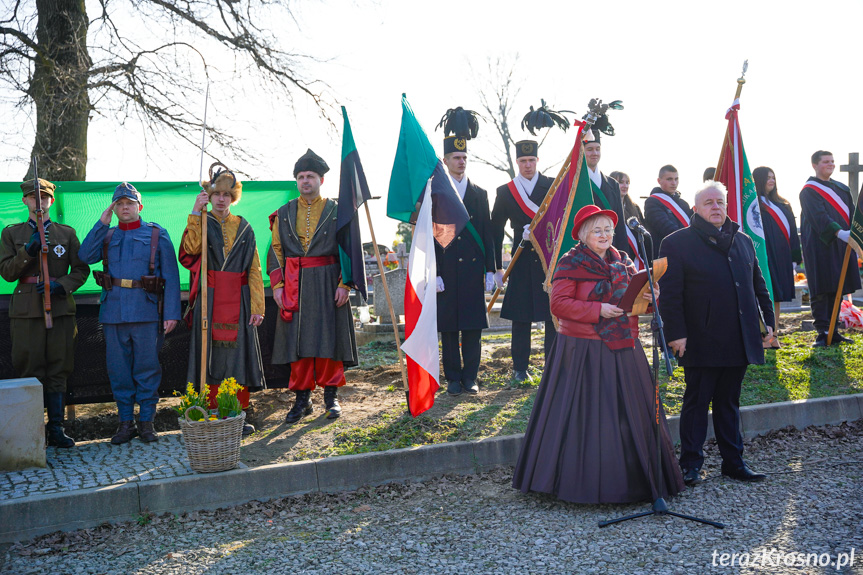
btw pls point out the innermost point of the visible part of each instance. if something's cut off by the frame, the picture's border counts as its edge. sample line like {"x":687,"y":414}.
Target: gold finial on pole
{"x":742,"y":79}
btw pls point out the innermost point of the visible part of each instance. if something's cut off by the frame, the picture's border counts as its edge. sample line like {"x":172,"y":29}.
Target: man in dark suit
{"x":465,"y":272}
{"x":525,"y":301}
{"x":606,"y":194}
{"x":826,"y":211}
{"x":665,"y":211}
{"x":710,"y":300}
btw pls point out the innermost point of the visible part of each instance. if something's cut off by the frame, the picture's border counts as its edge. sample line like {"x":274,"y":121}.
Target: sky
{"x":673,"y":64}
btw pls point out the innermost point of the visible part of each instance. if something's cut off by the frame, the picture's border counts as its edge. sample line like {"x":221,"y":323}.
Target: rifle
{"x":44,"y":275}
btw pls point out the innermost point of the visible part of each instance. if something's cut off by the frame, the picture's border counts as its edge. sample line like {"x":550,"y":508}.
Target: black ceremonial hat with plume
{"x":459,"y":125}
{"x":545,"y":117}
{"x":597,"y":118}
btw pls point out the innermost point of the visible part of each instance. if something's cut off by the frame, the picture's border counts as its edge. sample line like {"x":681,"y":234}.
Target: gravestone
{"x":396,"y":283}
{"x":22,"y":424}
{"x":853,"y":168}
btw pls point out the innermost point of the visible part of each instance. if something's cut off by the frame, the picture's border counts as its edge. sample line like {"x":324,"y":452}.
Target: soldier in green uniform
{"x":46,"y":354}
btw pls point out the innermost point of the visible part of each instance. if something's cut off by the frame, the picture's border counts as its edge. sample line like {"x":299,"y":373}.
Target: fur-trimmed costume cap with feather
{"x":223,"y":180}
{"x":311,"y":162}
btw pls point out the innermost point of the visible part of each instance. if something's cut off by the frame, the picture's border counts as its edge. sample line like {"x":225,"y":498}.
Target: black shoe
{"x":331,"y":402}
{"x":839,"y":338}
{"x":302,"y":406}
{"x":248,"y":429}
{"x":470,"y":386}
{"x":519,"y":375}
{"x":146,"y":432}
{"x":453,"y":387}
{"x":692,"y":476}
{"x":821,"y":340}
{"x":55,"y":435}
{"x":743,"y":474}
{"x":125,"y":433}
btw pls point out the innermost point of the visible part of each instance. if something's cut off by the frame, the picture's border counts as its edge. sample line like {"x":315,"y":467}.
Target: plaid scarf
{"x":611,"y":276}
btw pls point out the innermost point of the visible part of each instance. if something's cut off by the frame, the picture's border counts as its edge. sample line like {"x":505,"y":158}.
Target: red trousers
{"x":322,"y":371}
{"x":242,"y":395}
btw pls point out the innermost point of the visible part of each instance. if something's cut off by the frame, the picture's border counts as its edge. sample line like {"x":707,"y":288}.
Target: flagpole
{"x":740,"y":81}
{"x":542,"y":207}
{"x":837,"y":301}
{"x":393,"y":315}
{"x":205,"y":313}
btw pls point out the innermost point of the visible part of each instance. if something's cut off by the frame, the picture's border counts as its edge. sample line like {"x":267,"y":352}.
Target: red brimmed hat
{"x":588,"y":212}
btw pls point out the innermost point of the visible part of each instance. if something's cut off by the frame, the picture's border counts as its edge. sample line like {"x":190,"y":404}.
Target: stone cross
{"x":853,"y":168}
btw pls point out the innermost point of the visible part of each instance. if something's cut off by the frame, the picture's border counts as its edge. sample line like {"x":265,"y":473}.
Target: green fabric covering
{"x":80,"y":204}
{"x":413,"y":165}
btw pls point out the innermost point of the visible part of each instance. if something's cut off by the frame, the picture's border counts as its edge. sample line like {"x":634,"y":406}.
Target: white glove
{"x":439,"y":284}
{"x":526,"y":234}
{"x":498,"y":279}
{"x":489,"y":281}
{"x":843,"y":235}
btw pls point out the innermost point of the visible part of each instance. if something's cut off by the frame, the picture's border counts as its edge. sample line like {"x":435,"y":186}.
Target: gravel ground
{"x":810,"y":504}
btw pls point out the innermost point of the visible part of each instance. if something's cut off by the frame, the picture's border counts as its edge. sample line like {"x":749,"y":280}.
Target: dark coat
{"x":711,"y":295}
{"x":319,"y":328}
{"x":611,"y":190}
{"x":525,"y":300}
{"x":241,"y":359}
{"x":462,"y":267}
{"x":822,"y":250}
{"x":659,"y":220}
{"x":781,"y":252}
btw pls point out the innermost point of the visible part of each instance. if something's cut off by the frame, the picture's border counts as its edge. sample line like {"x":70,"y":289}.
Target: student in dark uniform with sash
{"x":465,"y":271}
{"x":606,"y":195}
{"x":665,"y":211}
{"x":46,"y":354}
{"x":235,"y":291}
{"x":825,"y":217}
{"x":315,"y":329}
{"x":630,"y":210}
{"x":783,"y":242}
{"x":525,"y":300}
{"x":140,"y":302}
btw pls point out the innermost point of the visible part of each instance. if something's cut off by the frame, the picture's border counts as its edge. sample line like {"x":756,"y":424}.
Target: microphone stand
{"x":660,"y":507}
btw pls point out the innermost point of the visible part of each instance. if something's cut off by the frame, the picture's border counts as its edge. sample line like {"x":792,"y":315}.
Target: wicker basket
{"x":212,"y":445}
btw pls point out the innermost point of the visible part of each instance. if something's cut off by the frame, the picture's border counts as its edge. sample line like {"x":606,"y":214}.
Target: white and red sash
{"x":522,"y":199}
{"x":831,"y":198}
{"x":778,"y":216}
{"x":633,"y":245}
{"x":669,"y":203}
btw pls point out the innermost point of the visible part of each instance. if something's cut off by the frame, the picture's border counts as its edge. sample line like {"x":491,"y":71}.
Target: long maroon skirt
{"x":591,"y":436}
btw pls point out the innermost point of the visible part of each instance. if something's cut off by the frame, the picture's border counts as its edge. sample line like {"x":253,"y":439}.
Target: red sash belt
{"x":226,"y":304}
{"x":291,"y":276}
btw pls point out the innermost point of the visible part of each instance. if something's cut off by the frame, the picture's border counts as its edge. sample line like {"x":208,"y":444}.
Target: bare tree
{"x":139,"y":60}
{"x":498,"y":86}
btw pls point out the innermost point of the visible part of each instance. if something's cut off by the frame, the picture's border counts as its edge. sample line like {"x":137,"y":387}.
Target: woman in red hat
{"x":591,"y":438}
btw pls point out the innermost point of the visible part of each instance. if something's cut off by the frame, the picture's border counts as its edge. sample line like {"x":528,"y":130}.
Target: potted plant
{"x":212,"y":437}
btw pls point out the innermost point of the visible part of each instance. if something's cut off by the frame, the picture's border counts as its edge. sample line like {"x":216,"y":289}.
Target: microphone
{"x":632,"y":224}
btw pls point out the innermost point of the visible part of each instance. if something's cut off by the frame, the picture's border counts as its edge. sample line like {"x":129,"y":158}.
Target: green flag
{"x":413,"y":166}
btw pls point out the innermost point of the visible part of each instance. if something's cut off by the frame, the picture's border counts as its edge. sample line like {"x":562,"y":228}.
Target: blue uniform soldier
{"x":140,"y":297}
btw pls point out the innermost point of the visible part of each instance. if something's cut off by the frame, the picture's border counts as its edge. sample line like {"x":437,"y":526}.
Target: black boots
{"x":302,"y":406}
{"x":125,"y":433}
{"x":331,"y":401}
{"x":54,"y":433}
{"x":146,"y":432}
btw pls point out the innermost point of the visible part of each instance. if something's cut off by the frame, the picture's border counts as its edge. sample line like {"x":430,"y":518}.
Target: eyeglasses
{"x":599,"y":232}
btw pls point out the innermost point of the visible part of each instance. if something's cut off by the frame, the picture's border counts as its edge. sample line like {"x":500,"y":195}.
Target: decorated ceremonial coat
{"x":318,"y":328}
{"x":462,"y":267}
{"x":783,"y":247}
{"x":525,"y":299}
{"x":661,"y":217}
{"x":611,"y":192}
{"x":129,"y":258}
{"x":713,"y":294}
{"x":233,"y":348}
{"x":826,"y":207}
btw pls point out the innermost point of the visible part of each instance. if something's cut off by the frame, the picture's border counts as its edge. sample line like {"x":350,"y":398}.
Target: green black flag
{"x":353,"y":191}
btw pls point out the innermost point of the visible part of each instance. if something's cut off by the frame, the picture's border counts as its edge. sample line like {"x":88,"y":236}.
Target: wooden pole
{"x":393,"y":315}
{"x":205,"y":313}
{"x":837,"y":301}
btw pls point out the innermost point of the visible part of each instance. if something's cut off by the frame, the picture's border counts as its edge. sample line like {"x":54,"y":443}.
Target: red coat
{"x":577,"y":316}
